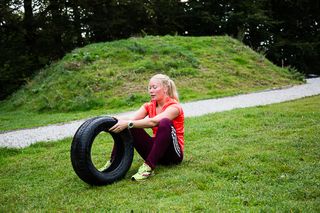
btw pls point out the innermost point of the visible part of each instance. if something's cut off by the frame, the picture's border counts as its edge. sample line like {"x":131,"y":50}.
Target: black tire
{"x":81,"y":152}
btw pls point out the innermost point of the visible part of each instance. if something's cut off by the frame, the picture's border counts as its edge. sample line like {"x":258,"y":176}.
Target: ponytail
{"x":172,"y":90}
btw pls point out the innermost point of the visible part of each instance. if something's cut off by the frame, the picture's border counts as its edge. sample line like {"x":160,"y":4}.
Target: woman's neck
{"x":162,"y":102}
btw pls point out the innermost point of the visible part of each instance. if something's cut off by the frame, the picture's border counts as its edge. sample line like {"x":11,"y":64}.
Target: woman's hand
{"x":119,"y":126}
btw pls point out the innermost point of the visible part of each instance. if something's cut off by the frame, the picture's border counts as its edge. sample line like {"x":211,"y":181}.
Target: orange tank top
{"x":178,"y":122}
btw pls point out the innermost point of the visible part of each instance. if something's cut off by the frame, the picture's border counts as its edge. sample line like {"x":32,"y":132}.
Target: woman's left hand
{"x":119,"y":126}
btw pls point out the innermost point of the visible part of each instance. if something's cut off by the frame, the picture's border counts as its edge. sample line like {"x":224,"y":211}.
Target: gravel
{"x":26,"y":137}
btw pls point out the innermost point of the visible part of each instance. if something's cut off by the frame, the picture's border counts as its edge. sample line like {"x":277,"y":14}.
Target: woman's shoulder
{"x":178,"y":106}
{"x":175,"y":104}
{"x":148,"y":105}
{"x":172,"y":102}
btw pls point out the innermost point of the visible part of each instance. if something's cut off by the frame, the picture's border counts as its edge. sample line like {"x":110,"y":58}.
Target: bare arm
{"x":170,"y":113}
{"x":141,"y":122}
{"x":140,"y":114}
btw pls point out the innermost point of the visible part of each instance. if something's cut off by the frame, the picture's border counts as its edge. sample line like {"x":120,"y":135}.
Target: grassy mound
{"x":114,"y":75}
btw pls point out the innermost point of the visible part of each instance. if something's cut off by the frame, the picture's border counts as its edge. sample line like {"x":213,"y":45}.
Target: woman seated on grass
{"x":166,"y":118}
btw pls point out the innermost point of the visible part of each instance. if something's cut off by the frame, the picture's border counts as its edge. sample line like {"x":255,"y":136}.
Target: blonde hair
{"x":169,"y":84}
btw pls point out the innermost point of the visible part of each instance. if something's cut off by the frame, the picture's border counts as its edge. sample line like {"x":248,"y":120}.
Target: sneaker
{"x":143,"y":173}
{"x":105,"y":166}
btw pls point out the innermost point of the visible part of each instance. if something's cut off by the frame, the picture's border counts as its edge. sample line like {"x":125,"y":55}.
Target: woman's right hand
{"x":119,"y":126}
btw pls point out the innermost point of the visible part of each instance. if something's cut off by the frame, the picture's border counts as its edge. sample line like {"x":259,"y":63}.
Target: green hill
{"x":113,"y":76}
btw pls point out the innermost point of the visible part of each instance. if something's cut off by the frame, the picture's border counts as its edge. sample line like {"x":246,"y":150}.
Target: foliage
{"x":249,"y":160}
{"x":296,"y":38}
{"x":39,"y":32}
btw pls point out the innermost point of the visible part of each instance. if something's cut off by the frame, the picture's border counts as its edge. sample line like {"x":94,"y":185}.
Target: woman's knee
{"x":165,"y":122}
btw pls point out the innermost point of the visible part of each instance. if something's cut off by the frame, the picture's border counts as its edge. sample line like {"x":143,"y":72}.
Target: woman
{"x":166,"y":118}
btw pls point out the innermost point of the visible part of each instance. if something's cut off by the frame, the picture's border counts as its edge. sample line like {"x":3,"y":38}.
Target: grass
{"x":109,"y":77}
{"x":248,"y":160}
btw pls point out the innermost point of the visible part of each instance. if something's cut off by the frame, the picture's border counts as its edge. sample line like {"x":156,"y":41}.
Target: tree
{"x":36,"y":32}
{"x":297,"y":34}
{"x":205,"y":17}
{"x":12,"y":48}
{"x":164,"y":17}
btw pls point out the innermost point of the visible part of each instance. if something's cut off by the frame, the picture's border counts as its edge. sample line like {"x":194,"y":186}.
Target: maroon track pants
{"x":161,"y":149}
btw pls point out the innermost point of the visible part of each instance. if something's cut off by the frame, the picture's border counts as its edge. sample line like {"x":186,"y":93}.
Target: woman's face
{"x":156,"y":90}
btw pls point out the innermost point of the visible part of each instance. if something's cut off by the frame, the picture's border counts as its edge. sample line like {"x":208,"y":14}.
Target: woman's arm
{"x":170,"y":113}
{"x":140,"y":114}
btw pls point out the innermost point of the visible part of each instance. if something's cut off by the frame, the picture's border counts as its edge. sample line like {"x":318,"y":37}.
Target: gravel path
{"x":26,"y":137}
